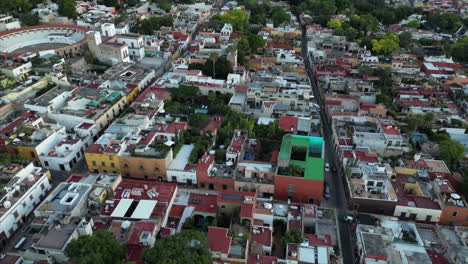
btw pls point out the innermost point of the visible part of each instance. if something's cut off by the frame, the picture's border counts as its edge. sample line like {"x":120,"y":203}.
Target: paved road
{"x":334,"y":179}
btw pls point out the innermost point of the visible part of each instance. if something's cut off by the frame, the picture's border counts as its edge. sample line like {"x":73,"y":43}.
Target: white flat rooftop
{"x":122,"y":208}
{"x":144,"y":209}
{"x":182,"y":157}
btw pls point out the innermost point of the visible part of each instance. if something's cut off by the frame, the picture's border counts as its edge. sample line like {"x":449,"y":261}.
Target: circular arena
{"x":64,"y":39}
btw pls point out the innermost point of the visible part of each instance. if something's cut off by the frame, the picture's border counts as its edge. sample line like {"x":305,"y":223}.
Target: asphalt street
{"x":334,"y":179}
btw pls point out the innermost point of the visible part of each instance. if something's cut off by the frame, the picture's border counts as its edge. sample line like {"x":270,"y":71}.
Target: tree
{"x":237,"y":18}
{"x":198,"y":121}
{"x":256,"y":42}
{"x":451,"y":152}
{"x":382,"y":99}
{"x":279,"y":16}
{"x":185,"y":94}
{"x":217,"y":67}
{"x":100,"y":248}
{"x":413,"y":23}
{"x":15,"y":7}
{"x":386,"y":43}
{"x":459,"y":50}
{"x":67,"y":8}
{"x":243,"y":50}
{"x":148,"y":26}
{"x":334,"y":23}
{"x":291,"y":236}
{"x":164,"y":5}
{"x":29,"y":19}
{"x":405,"y":38}
{"x":419,"y":121}
{"x":185,"y":247}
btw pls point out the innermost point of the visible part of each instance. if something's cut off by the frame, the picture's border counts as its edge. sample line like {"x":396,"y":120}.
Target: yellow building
{"x":103,"y":158}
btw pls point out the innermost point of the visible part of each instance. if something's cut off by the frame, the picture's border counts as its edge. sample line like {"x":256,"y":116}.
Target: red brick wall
{"x":303,"y":189}
{"x":447,"y":217}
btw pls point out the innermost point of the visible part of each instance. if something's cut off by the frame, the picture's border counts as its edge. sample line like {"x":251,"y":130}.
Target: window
{"x":223,"y":206}
{"x":370,"y":183}
{"x":428,"y":218}
{"x":379,"y":184}
{"x":112,"y":164}
{"x":42,"y":186}
{"x":15,"y":214}
{"x":455,"y":213}
{"x":157,"y":169}
{"x":224,"y":186}
{"x":126,"y":166}
{"x":202,"y":185}
{"x":33,"y":154}
{"x":46,"y":163}
{"x":103,"y":163}
{"x":403,"y":214}
{"x":111,"y":157}
{"x":94,"y":163}
{"x":142,"y":167}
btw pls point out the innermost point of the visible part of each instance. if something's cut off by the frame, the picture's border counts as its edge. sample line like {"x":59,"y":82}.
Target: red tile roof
{"x":205,"y":162}
{"x":241,"y":88}
{"x":138,"y":228}
{"x":213,"y":123}
{"x":364,"y":156}
{"x":95,"y":148}
{"x":4,"y":33}
{"x":262,"y":236}
{"x":203,"y":203}
{"x":85,"y":125}
{"x":177,"y":210}
{"x":247,"y":210}
{"x":218,"y":240}
{"x":319,"y":240}
{"x":437,"y":258}
{"x":288,"y":123}
{"x":262,"y":260}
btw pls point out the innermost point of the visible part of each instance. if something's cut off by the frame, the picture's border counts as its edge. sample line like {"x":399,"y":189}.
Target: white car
{"x":327,"y":167}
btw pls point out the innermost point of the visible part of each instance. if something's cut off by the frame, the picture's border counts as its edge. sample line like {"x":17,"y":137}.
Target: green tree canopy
{"x":184,"y":94}
{"x":100,"y":248}
{"x":185,"y":247}
{"x":67,"y":8}
{"x":413,"y":23}
{"x":198,"y":121}
{"x":216,"y":67}
{"x":386,"y":43}
{"x":405,"y":38}
{"x":451,"y":152}
{"x":419,"y":121}
{"x":164,"y":5}
{"x":459,"y":50}
{"x":237,"y":18}
{"x":292,"y":236}
{"x":279,"y":16}
{"x":334,"y":23}
{"x":148,"y":26}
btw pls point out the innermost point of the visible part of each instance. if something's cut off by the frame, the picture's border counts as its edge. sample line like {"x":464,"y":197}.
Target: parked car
{"x":327,"y":167}
{"x":327,"y":192}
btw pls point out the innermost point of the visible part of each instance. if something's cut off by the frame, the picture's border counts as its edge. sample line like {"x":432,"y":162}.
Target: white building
{"x":178,"y":170}
{"x":61,"y":151}
{"x":24,"y":191}
{"x":226,"y":32}
{"x":135,"y":43}
{"x":8,"y":23}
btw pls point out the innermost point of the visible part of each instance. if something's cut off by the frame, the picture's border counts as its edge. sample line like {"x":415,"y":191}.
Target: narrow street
{"x":333,"y":178}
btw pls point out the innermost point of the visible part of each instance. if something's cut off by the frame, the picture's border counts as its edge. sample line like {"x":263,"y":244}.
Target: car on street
{"x":327,"y":167}
{"x":327,"y":193}
{"x":333,"y":169}
{"x":348,"y":218}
